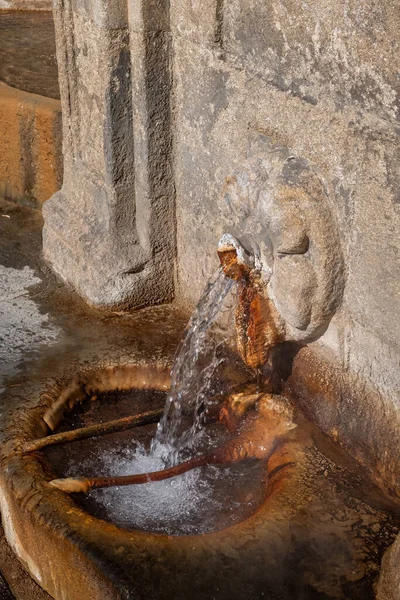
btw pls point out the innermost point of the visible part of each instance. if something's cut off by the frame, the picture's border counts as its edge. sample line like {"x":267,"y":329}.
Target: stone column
{"x":110,"y":230}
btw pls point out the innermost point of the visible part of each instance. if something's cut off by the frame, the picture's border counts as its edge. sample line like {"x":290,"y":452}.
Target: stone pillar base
{"x":107,"y":270}
{"x":110,"y":231}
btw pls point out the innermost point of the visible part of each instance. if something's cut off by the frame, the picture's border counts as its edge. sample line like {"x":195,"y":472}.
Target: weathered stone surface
{"x":30,"y":146}
{"x":25,"y":4}
{"x":348,"y":408}
{"x":309,"y":538}
{"x":319,"y":79}
{"x":110,"y":230}
{"x":388,"y":587}
{"x":279,"y":206}
{"x":17,"y":583}
{"x":308,"y":50}
{"x":5,"y":593}
{"x":28,"y":52}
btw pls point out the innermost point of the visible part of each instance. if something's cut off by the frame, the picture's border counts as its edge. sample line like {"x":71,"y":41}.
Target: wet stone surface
{"x":15,"y":581}
{"x":340,"y":524}
{"x":47,"y":330}
{"x":5,"y":593}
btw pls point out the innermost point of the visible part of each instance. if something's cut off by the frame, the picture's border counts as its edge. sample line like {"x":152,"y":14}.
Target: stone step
{"x":30,"y":146}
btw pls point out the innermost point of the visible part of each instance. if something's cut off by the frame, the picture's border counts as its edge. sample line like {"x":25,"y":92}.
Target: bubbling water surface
{"x":197,"y":502}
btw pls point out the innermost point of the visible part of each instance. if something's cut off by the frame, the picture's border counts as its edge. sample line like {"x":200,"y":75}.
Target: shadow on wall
{"x":30,"y":109}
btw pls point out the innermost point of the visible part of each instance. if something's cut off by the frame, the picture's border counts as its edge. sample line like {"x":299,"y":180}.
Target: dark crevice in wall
{"x":153,"y":108}
{"x":219,"y":23}
{"x":64,"y":17}
{"x":26,"y":135}
{"x":118,"y":125}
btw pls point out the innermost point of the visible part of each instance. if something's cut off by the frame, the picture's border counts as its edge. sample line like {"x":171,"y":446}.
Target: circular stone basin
{"x":205,"y":499}
{"x":297,"y":537}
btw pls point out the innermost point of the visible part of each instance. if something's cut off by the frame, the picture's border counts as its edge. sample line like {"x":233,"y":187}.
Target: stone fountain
{"x":283,"y":251}
{"x":272,"y":129}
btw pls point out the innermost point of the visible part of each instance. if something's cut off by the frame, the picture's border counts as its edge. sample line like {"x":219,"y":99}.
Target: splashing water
{"x":200,"y":500}
{"x":196,"y":502}
{"x":200,"y":355}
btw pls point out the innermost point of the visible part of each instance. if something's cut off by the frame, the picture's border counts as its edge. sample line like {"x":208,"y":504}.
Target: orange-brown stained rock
{"x":21,"y":585}
{"x":230,"y":265}
{"x":260,"y":433}
{"x":47,"y":146}
{"x":76,"y":556}
{"x":11,"y":167}
{"x":257,"y":324}
{"x":30,"y":146}
{"x":350,"y":412}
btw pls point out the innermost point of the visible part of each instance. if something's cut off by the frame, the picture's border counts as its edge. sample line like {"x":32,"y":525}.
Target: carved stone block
{"x":282,"y":212}
{"x":110,"y":230}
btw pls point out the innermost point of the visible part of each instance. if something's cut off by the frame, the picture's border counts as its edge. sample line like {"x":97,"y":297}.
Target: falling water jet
{"x":200,"y":355}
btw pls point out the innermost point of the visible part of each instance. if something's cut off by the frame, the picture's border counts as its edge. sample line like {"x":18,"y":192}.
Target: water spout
{"x":236,"y":261}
